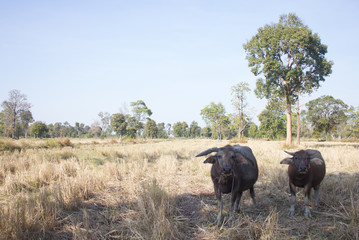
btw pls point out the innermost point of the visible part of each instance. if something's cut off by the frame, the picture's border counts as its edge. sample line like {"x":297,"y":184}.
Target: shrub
{"x":65,"y":142}
{"x":9,"y":145}
{"x":53,"y":143}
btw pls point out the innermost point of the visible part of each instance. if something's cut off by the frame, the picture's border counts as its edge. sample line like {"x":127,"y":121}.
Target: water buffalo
{"x":306,"y":169}
{"x":234,"y":170}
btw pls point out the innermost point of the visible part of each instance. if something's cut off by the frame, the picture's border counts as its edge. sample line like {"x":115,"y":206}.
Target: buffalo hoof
{"x":291,"y":213}
{"x":308,"y":214}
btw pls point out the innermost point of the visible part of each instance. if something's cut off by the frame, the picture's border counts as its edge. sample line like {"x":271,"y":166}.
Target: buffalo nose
{"x":227,"y":169}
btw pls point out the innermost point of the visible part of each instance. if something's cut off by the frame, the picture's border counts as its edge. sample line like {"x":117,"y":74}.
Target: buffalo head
{"x":225,"y":157}
{"x":301,"y":160}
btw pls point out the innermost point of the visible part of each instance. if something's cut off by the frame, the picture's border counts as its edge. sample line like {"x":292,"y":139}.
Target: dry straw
{"x":142,"y":189}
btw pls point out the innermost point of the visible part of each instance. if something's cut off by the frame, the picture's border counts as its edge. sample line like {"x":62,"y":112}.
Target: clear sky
{"x":74,"y":59}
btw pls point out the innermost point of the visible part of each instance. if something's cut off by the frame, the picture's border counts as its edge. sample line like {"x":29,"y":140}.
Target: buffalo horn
{"x":290,"y":153}
{"x":208,"y":151}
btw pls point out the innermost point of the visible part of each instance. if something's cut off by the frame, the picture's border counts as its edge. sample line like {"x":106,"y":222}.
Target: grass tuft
{"x":158,"y":212}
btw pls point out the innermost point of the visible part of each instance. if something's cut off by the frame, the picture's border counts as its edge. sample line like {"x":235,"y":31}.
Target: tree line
{"x":323,"y":118}
{"x":290,"y":61}
{"x":16,"y":121}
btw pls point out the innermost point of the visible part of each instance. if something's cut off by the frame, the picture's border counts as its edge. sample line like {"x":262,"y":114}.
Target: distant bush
{"x":53,"y":143}
{"x":50,"y":143}
{"x":65,"y":142}
{"x":350,"y":140}
{"x":133,"y":140}
{"x":237,"y":140}
{"x":288,"y":146}
{"x":113,"y":141}
{"x":9,"y":145}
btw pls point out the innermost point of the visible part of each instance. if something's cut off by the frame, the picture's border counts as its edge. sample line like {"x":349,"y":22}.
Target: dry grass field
{"x":152,"y":189}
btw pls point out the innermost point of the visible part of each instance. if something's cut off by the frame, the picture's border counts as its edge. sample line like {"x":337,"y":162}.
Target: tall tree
{"x":215,"y":116}
{"x":161,"y":130}
{"x":39,"y":129}
{"x":180,"y":129}
{"x":119,"y":124}
{"x":133,"y":126}
{"x":26,"y":118}
{"x":1,"y":124}
{"x":207,"y":132}
{"x":151,"y":129}
{"x":326,"y":113}
{"x":168,"y":128}
{"x":252,"y":130}
{"x":298,"y":122}
{"x":13,"y":107}
{"x":272,"y":120}
{"x":55,"y":130}
{"x":292,"y":60}
{"x":140,"y":112}
{"x":177,"y":129}
{"x":194,"y":130}
{"x":240,"y":103}
{"x":354,"y":123}
{"x":96,"y":130}
{"x":105,"y":119}
{"x":185,"y":129}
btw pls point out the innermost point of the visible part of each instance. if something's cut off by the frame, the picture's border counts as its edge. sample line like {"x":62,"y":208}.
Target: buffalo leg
{"x":307,"y":189}
{"x":220,"y":203}
{"x":316,"y":196}
{"x":293,"y":199}
{"x":220,"y":211}
{"x":237,"y":202}
{"x":253,"y":195}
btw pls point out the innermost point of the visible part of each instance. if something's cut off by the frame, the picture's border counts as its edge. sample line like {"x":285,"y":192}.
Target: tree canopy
{"x":39,"y":129}
{"x":151,"y":129}
{"x":272,"y":120}
{"x":215,"y":116}
{"x":325,"y":114}
{"x":13,"y":107}
{"x":239,"y":102}
{"x":140,"y":110}
{"x":119,"y":124}
{"x":290,"y":57}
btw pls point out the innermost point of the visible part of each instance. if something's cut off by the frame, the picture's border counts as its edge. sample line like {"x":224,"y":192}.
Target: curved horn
{"x":208,"y":151}
{"x":290,"y":153}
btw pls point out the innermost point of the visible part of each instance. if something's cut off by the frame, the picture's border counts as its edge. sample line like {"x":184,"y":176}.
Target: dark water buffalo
{"x":306,"y":169}
{"x":234,"y":170}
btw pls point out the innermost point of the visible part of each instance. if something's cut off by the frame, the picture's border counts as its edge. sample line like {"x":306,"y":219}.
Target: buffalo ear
{"x":211,"y":160}
{"x":286,"y":161}
{"x":317,"y":161}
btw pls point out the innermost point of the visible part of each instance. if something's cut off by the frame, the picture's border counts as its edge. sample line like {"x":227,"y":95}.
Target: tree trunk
{"x":13,"y":126}
{"x":241,"y":122}
{"x":240,"y":130}
{"x":289,"y":122}
{"x":298,"y":123}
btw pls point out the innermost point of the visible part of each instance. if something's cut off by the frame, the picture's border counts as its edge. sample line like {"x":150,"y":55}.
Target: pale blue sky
{"x":74,"y":59}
